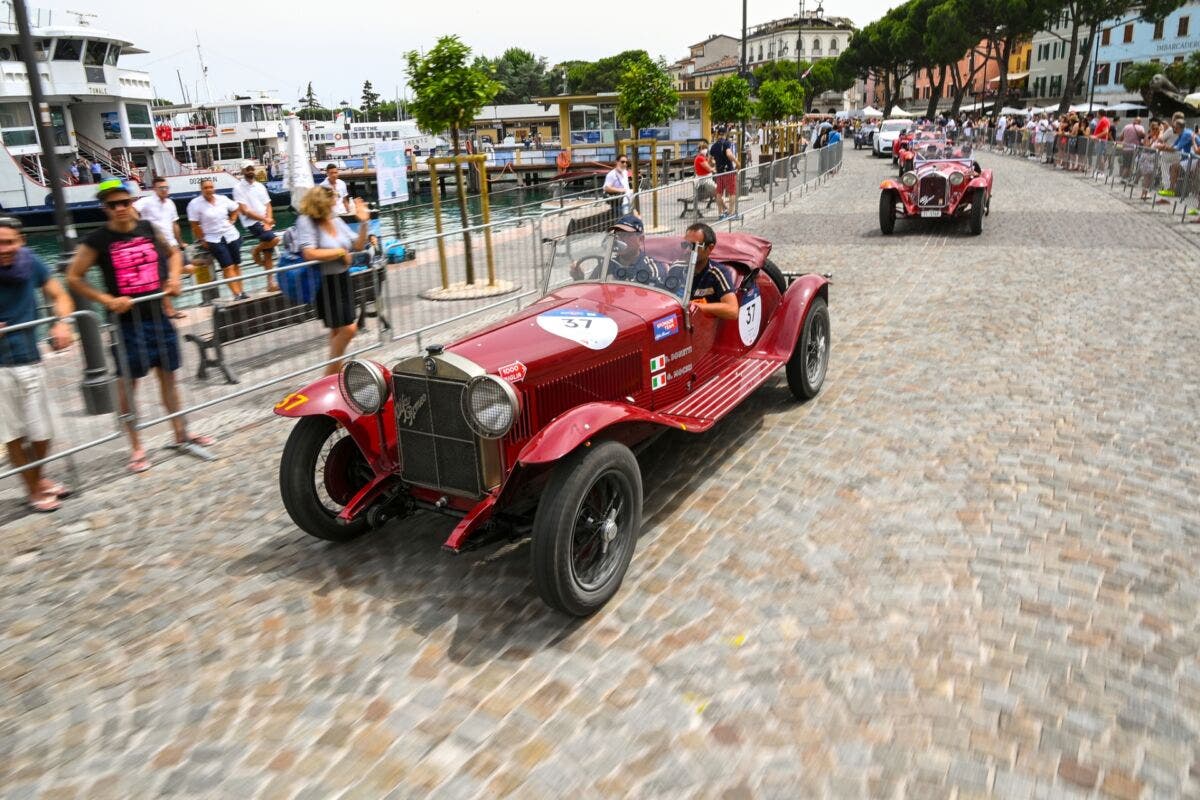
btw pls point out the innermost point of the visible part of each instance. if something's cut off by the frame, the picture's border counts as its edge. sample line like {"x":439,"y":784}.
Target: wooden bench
{"x":764,"y":175}
{"x":236,"y":320}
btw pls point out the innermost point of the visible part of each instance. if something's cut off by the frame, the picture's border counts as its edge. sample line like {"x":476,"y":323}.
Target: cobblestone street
{"x":968,"y":567}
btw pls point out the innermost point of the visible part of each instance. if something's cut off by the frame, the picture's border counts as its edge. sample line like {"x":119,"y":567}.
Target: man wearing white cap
{"x":258,"y":219}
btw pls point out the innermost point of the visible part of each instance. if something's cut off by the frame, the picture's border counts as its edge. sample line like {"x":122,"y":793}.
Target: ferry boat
{"x":98,"y":109}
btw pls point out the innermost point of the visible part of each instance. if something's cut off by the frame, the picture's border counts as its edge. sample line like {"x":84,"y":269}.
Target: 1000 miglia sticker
{"x":591,"y":329}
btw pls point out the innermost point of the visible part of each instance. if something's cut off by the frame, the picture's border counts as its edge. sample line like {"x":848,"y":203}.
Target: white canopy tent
{"x":1018,"y":112}
{"x":1086,"y":107}
{"x":1193,"y":99}
{"x":1133,"y":106}
{"x":872,"y":112}
{"x":899,"y":113}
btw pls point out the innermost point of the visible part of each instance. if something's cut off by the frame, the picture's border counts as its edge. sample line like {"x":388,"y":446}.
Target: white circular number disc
{"x":588,"y":328}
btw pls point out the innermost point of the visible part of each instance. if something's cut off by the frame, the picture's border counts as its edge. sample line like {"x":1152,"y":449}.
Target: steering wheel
{"x":578,"y":273}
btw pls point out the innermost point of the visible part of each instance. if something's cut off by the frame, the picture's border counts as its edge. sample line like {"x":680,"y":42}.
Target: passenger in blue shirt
{"x":25,"y":424}
{"x":835,"y":135}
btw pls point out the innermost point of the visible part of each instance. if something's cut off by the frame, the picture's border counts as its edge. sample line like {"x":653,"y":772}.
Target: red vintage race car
{"x":529,"y":426}
{"x":945,"y":182}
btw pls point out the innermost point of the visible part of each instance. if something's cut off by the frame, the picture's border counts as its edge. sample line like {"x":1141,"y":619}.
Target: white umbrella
{"x":297,"y":171}
{"x":1086,"y":107}
{"x":1193,"y":99}
{"x":899,"y":113}
{"x":871,"y":111}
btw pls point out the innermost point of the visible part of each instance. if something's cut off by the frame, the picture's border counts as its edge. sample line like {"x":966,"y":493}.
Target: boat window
{"x":68,"y":50}
{"x":273,"y":112}
{"x":139,"y":121}
{"x":16,"y":120}
{"x":253,"y":114}
{"x":114,"y":53}
{"x":230,"y":151}
{"x":93,"y":54}
{"x":227,"y":115}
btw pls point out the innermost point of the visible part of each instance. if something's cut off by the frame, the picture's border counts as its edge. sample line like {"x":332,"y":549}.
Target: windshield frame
{"x":606,"y":256}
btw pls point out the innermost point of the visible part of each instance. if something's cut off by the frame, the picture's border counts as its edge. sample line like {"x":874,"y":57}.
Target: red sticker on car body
{"x":513,"y":373}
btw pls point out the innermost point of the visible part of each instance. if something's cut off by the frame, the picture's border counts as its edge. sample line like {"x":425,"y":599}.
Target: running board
{"x":702,"y":409}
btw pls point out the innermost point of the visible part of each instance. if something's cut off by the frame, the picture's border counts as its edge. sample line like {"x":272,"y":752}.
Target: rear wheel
{"x":585,"y":529}
{"x":319,"y":473}
{"x":978,"y":202}
{"x":887,"y":211}
{"x":810,"y":360}
{"x":775,"y":275}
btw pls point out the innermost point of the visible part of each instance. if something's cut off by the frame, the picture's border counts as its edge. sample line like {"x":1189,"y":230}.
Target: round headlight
{"x":956,"y":178}
{"x":909,"y":179}
{"x":490,"y":406}
{"x":363,"y":386}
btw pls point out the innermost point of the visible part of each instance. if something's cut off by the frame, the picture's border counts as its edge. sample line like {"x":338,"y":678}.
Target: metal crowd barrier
{"x":228,"y":349}
{"x":1164,"y":178}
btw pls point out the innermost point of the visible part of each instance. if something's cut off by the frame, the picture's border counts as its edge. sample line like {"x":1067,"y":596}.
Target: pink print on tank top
{"x":135,"y":264}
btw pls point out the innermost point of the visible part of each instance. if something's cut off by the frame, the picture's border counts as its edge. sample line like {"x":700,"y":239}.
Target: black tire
{"x":775,"y":275}
{"x":567,"y":529}
{"x":299,"y":467}
{"x":887,"y":212}
{"x":810,"y":360}
{"x":977,"y":208}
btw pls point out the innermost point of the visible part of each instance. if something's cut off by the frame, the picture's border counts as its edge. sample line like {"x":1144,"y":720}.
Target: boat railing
{"x":97,"y":152}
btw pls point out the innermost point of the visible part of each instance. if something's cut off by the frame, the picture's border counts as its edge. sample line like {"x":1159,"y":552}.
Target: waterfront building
{"x":517,"y":121}
{"x":1128,"y":40}
{"x":592,"y":119}
{"x":717,"y":51}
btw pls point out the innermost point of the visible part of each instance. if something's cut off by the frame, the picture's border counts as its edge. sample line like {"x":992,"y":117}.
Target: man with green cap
{"x":135,"y":261}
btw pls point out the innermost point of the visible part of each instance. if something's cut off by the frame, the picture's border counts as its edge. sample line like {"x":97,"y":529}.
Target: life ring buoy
{"x":337,"y":136}
{"x":563,"y":160}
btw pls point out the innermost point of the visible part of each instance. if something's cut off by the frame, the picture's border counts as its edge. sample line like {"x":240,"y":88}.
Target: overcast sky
{"x":281,"y":46}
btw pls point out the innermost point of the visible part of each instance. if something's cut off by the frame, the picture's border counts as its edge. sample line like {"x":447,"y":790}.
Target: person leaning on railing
{"x":25,"y":424}
{"x":322,"y":236}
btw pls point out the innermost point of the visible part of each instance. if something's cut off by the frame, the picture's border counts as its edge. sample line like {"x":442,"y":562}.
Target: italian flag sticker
{"x":657,"y":363}
{"x":658,"y":381}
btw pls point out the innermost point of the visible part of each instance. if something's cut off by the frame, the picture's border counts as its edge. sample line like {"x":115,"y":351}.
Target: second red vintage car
{"x":529,"y":427}
{"x":945,"y":183}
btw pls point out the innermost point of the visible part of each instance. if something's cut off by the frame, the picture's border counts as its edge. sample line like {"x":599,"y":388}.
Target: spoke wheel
{"x":319,"y":473}
{"x":810,"y":360}
{"x":586,"y":526}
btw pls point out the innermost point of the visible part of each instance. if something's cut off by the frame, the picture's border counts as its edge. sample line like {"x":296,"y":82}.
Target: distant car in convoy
{"x":865,"y":136}
{"x":909,"y":144}
{"x":945,"y":183}
{"x":885,"y":138}
{"x":529,"y":426}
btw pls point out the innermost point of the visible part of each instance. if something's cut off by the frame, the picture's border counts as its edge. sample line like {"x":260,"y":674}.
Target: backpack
{"x":297,"y":283}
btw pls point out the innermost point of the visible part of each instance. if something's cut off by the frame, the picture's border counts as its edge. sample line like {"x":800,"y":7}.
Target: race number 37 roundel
{"x":591,"y":329}
{"x":750,"y":318}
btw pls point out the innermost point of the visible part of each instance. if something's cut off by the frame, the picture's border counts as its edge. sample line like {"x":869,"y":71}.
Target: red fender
{"x":783,"y":330}
{"x":577,"y":426}
{"x":323,"y":397}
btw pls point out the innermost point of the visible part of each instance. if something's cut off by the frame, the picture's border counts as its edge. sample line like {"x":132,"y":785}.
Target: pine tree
{"x":370,"y":99}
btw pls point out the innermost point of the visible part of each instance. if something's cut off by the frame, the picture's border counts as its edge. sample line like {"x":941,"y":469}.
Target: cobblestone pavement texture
{"x":969,"y":567}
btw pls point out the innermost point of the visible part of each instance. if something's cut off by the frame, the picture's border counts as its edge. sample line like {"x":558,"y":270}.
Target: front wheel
{"x":319,"y":473}
{"x":978,"y":206}
{"x":887,"y":212}
{"x":810,"y":360}
{"x":586,"y":527}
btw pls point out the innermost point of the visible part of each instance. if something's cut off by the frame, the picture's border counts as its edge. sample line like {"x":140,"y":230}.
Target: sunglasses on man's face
{"x":113,"y":205}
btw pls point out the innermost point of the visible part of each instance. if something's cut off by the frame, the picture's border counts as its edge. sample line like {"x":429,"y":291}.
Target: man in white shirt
{"x":616,"y":183}
{"x":254,"y":206}
{"x":159,"y":210}
{"x":211,"y":216}
{"x":341,"y":203}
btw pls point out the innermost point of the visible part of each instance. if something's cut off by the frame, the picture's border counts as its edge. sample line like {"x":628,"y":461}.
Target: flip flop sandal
{"x":200,"y":439}
{"x":59,"y":490}
{"x":178,"y":315}
{"x":138,"y":462}
{"x":45,"y":505}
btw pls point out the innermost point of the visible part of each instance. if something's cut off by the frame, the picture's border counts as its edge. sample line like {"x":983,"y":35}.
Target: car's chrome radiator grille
{"x":437,"y":448}
{"x":932,"y":191}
